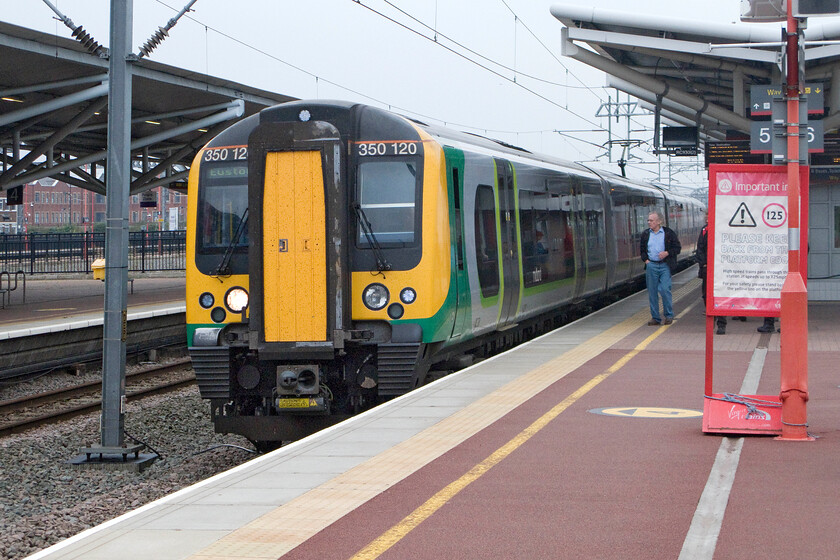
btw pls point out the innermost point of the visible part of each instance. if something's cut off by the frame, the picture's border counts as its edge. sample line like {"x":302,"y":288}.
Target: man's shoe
{"x":653,"y":323}
{"x":721,"y":330}
{"x":766,"y":328}
{"x":668,"y":321}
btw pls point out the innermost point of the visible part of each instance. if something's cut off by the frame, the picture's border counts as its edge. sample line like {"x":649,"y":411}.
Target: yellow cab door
{"x":294,"y":248}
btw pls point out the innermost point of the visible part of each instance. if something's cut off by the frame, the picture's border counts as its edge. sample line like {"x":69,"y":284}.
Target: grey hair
{"x":658,"y":215}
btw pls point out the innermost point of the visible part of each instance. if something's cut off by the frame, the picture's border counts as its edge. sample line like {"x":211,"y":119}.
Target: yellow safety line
{"x":409,"y":523}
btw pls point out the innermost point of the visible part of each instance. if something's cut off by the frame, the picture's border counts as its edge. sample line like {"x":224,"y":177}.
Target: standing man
{"x":659,"y":249}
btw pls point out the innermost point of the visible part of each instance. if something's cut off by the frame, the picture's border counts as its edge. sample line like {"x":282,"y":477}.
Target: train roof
{"x":239,"y":132}
{"x":469,"y":138}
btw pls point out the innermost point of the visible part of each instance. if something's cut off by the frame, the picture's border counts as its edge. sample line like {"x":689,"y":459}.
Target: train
{"x":339,"y":255}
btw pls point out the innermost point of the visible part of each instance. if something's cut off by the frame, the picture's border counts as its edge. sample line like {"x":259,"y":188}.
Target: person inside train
{"x":659,"y":247}
{"x":541,"y":247}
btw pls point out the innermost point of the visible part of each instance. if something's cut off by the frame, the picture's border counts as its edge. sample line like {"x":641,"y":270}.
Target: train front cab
{"x":286,"y":184}
{"x":339,"y":318}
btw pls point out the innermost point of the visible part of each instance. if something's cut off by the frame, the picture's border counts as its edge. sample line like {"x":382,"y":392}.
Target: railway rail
{"x":30,"y":411}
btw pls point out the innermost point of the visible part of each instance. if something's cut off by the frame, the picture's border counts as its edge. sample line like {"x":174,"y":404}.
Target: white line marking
{"x":701,"y":540}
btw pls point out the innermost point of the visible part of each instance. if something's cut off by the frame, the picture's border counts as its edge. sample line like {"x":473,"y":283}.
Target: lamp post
{"x":794,"y":297}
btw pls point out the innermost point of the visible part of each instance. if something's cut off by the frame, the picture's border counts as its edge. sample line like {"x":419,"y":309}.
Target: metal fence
{"x":56,"y":253}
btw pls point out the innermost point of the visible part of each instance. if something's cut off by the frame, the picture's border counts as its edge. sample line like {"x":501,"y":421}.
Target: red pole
{"x":794,"y":340}
{"x":710,"y":355}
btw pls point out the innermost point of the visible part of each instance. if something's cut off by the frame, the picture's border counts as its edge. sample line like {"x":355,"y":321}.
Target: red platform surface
{"x":590,"y":485}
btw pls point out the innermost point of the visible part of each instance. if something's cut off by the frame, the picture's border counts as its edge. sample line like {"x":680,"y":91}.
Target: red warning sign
{"x":748,"y":240}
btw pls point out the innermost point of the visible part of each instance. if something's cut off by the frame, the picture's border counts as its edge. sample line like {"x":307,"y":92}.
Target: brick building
{"x":49,"y":204}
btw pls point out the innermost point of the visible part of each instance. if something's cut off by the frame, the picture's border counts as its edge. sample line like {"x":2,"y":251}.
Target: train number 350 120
{"x":387,"y":148}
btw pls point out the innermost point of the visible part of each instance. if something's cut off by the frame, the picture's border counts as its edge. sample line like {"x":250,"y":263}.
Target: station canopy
{"x":698,"y":73}
{"x":53,"y":113}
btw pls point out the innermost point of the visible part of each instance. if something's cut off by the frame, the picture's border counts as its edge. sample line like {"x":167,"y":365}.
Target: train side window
{"x":594,"y":231}
{"x":486,"y":241}
{"x":533,"y":226}
{"x":459,"y":238}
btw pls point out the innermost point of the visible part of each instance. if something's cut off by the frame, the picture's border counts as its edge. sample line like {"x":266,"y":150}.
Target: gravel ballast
{"x":43,"y":499}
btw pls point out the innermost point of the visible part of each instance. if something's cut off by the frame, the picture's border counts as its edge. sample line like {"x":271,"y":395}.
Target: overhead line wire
{"x":273,"y":57}
{"x":492,"y":71}
{"x":516,"y":18}
{"x":472,"y":51}
{"x":390,"y":105}
{"x":601,"y":146}
{"x":549,"y":51}
{"x":598,"y":128}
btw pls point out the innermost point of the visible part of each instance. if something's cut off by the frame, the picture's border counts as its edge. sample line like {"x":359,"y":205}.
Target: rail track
{"x":23,"y":413}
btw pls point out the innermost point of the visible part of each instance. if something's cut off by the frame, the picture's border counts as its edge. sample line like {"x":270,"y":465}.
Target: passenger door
{"x":509,"y":243}
{"x":462,"y":289}
{"x":579,"y":236}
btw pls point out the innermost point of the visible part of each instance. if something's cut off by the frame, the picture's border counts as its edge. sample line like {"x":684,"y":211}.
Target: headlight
{"x":236,"y":299}
{"x":206,"y":300}
{"x":375,"y":296}
{"x":408,"y":295}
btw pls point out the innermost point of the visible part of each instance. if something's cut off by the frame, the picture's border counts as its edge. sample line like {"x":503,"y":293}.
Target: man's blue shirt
{"x":656,"y":244}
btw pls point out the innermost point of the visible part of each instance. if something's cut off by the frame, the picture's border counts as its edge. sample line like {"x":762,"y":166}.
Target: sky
{"x":492,"y":67}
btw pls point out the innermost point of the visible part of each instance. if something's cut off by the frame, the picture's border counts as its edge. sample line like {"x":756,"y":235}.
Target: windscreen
{"x":388,"y":197}
{"x":222,"y":202}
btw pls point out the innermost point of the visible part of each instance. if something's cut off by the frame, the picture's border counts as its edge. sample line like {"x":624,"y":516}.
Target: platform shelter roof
{"x":698,"y":73}
{"x":53,"y":113}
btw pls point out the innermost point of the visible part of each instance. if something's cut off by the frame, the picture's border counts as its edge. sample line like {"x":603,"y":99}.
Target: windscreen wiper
{"x":381,"y":263}
{"x":224,"y":265}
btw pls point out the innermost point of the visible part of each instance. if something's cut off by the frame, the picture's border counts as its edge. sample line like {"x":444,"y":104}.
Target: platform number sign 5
{"x":765,"y":135}
{"x":768,"y":137}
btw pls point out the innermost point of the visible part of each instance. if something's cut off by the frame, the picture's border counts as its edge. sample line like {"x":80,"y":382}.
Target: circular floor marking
{"x":647,"y":412}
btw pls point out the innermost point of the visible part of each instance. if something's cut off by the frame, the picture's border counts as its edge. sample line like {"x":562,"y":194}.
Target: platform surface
{"x":584,"y":443}
{"x":59,"y":303}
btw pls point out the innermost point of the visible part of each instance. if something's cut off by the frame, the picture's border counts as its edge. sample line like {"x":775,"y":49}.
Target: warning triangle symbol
{"x":742,"y":217}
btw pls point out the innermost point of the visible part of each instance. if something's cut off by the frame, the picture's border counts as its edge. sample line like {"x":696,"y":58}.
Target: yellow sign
{"x":295,"y":403}
{"x":648,"y":412}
